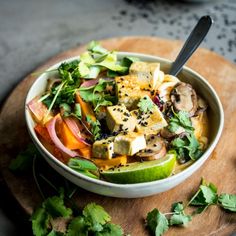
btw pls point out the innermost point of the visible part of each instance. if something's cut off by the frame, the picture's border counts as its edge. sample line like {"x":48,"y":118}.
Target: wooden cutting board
{"x":220,"y":168}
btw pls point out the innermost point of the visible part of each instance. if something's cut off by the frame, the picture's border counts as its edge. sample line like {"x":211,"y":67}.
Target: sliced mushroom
{"x":165,"y":133}
{"x":202,"y":105}
{"x":155,"y":149}
{"x":184,"y":98}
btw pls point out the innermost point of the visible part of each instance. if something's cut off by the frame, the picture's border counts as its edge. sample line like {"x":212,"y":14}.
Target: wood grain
{"x":220,"y":168}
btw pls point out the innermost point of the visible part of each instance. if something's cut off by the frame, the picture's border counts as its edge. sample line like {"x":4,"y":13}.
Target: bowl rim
{"x":194,"y":166}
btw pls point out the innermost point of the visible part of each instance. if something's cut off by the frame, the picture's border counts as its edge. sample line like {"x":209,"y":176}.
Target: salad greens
{"x":90,"y":64}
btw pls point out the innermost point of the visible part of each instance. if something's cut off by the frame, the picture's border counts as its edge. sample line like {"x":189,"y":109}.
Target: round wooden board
{"x":220,"y":168}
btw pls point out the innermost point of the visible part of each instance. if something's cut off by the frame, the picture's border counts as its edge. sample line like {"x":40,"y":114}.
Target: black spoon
{"x":195,"y":38}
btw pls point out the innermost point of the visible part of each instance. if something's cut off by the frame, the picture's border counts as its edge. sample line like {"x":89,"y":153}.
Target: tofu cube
{"x":128,"y":91}
{"x":118,"y":119}
{"x":148,"y":74}
{"x":103,"y":148}
{"x":150,"y":122}
{"x":129,"y":144}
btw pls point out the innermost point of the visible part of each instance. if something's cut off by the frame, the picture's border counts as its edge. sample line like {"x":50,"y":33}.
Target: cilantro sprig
{"x":158,"y":223}
{"x":53,"y":212}
{"x":187,"y":146}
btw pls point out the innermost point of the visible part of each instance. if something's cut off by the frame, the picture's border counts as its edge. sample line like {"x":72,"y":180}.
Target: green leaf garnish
{"x":145,"y":104}
{"x":55,"y":206}
{"x":179,"y":217}
{"x":96,"y":216}
{"x":23,"y":161}
{"x":77,"y":226}
{"x":228,"y":201}
{"x":40,"y":222}
{"x":85,"y":167}
{"x":110,"y":229}
{"x":157,"y":222}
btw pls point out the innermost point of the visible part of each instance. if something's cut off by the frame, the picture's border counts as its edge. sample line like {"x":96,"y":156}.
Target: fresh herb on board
{"x":158,"y":223}
{"x":53,"y":217}
{"x":24,"y":160}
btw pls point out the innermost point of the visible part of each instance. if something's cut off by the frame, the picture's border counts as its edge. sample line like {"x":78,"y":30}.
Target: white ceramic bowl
{"x":216,"y":118}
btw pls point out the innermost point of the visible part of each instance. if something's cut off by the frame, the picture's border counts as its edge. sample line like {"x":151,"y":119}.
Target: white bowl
{"x":216,"y":121}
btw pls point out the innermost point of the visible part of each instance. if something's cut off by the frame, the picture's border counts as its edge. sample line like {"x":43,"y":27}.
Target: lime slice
{"x":138,"y":172}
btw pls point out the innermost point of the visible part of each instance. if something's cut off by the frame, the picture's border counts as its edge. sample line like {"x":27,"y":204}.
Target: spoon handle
{"x":195,"y":38}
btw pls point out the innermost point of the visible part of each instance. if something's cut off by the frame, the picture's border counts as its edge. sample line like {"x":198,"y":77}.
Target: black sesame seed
{"x":110,"y":148}
{"x":145,"y":98}
{"x":126,"y":95}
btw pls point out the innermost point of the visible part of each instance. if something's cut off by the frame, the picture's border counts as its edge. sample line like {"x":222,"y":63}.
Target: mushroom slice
{"x":184,"y":98}
{"x":155,"y":149}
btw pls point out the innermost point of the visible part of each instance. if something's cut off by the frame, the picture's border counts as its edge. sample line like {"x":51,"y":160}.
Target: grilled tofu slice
{"x":148,"y":74}
{"x":118,"y":119}
{"x":103,"y":148}
{"x":150,"y":122}
{"x":128,"y":91}
{"x":129,"y":144}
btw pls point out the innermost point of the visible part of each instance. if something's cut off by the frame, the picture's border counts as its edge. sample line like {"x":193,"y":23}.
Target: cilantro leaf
{"x":145,"y":104}
{"x":95,"y":127}
{"x":180,"y":120}
{"x":56,"y":208}
{"x":40,"y":222}
{"x":96,"y":216}
{"x":187,"y":147}
{"x":110,"y":229}
{"x":204,"y":197}
{"x":23,"y":161}
{"x":179,"y":217}
{"x":228,"y":201}
{"x":77,"y":227}
{"x":157,"y":222}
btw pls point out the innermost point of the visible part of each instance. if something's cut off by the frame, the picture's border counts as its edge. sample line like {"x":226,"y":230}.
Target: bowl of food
{"x":117,"y":124}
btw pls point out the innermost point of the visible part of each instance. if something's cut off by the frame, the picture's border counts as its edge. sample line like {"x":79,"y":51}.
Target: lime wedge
{"x":138,"y":172}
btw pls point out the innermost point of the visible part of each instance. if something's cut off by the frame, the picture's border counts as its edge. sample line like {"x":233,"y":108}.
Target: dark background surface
{"x":33,"y":31}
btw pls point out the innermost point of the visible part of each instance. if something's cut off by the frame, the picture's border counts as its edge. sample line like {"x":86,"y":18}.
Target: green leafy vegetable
{"x":228,"y":201}
{"x":180,"y":120}
{"x":84,"y":167}
{"x":95,"y":127}
{"x":157,"y":222}
{"x":204,"y":197}
{"x":40,"y":222}
{"x":24,"y":159}
{"x":187,"y":147}
{"x":96,"y":216}
{"x":110,"y":229}
{"x":78,"y":226}
{"x":55,"y":206}
{"x":145,"y":104}
{"x":179,"y":217}
{"x":101,"y":94}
